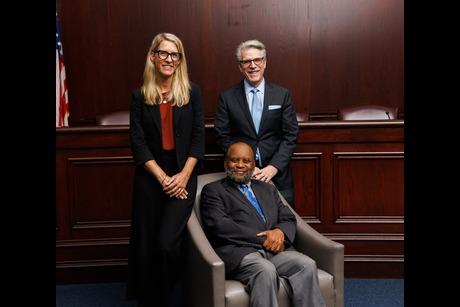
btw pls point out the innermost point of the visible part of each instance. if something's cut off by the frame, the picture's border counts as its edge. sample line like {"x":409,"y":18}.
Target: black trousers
{"x":156,"y":261}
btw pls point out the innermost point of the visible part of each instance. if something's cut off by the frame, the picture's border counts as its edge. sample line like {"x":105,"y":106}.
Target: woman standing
{"x":167,"y":142}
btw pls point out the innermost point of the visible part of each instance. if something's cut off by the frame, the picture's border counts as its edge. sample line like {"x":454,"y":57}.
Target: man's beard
{"x":238,"y":180}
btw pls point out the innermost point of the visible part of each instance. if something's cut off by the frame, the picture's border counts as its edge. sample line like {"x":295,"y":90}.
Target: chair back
{"x":114,"y":118}
{"x":368,"y":112}
{"x":301,"y":117}
{"x":202,"y":181}
{"x":207,"y":178}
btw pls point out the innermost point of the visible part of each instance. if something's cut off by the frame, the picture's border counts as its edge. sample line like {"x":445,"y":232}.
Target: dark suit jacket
{"x":231,"y":222}
{"x":145,"y":128}
{"x":278,"y":129}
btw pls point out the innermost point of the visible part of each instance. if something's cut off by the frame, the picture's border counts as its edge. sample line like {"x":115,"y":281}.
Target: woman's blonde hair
{"x":180,"y":89}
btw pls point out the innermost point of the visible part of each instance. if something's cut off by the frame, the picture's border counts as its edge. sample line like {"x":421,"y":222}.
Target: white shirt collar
{"x":248,"y":87}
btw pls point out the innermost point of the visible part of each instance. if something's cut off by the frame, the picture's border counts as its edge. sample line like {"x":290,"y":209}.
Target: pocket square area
{"x":274,"y":107}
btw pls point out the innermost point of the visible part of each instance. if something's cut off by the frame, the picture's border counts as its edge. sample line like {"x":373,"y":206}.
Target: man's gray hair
{"x":252,"y":43}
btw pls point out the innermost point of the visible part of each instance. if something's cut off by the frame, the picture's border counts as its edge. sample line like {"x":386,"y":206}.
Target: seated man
{"x":253,"y":231}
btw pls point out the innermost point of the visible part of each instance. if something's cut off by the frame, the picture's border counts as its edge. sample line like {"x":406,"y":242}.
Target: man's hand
{"x":265,"y":174}
{"x":274,"y":241}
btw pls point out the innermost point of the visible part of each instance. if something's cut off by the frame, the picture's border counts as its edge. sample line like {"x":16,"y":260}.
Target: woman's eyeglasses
{"x":175,"y":56}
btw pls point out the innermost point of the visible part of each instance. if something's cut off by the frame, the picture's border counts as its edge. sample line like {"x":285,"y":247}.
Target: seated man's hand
{"x":274,"y":241}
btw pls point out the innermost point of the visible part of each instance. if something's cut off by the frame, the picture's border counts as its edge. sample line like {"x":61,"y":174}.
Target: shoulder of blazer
{"x":194,"y":87}
{"x":266,"y":187}
{"x":215,"y":185}
{"x":138,"y":94}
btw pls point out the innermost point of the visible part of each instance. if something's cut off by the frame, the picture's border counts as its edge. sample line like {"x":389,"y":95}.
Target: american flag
{"x":62,"y":99}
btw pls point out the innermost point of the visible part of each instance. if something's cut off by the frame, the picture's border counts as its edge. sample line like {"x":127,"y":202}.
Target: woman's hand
{"x":175,"y":186}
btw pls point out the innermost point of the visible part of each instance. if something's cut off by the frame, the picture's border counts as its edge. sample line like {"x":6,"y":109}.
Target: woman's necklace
{"x":164,"y":98}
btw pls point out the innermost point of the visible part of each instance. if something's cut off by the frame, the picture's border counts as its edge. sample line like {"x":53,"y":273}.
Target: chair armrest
{"x":328,"y":254}
{"x":205,"y":276}
{"x":322,"y":249}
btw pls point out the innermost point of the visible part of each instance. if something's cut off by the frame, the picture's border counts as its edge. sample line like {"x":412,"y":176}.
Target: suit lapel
{"x":156,"y":118}
{"x":244,"y":105}
{"x":267,"y":98}
{"x":263,"y":200}
{"x":177,"y":112}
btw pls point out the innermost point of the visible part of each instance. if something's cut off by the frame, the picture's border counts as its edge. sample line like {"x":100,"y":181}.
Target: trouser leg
{"x":261,"y":280}
{"x":301,"y":273}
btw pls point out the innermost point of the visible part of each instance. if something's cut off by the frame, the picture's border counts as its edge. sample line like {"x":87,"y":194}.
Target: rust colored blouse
{"x":167,"y":124}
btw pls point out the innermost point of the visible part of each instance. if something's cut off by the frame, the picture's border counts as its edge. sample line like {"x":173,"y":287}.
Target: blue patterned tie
{"x":256,"y":109}
{"x":252,"y":199}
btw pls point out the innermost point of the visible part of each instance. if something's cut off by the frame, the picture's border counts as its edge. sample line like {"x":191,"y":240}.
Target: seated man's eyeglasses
{"x":175,"y":56}
{"x":246,"y":63}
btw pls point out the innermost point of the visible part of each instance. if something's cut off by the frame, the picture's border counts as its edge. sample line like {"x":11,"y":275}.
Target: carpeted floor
{"x":374,"y":292}
{"x":358,"y":293}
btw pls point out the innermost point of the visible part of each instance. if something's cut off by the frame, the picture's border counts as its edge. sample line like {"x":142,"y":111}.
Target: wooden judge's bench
{"x":348,"y":180}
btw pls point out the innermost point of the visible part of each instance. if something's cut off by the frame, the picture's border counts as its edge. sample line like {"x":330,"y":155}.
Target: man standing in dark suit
{"x":252,"y":231}
{"x":261,"y":114}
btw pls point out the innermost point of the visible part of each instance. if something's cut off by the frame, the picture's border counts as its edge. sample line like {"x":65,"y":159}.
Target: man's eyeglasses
{"x":175,"y":56}
{"x":247,"y":63}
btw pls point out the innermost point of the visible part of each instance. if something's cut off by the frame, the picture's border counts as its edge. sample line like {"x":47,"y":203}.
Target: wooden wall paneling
{"x":94,"y":183}
{"x":386,"y":267}
{"x":214,"y":156}
{"x":381,"y":253}
{"x":357,"y":173}
{"x":100,"y":207}
{"x":348,"y":185}
{"x":357,"y":54}
{"x":360,"y":162}
{"x":62,"y":198}
{"x":327,"y":53}
{"x":92,"y":251}
{"x":306,"y":168}
{"x":373,"y":245}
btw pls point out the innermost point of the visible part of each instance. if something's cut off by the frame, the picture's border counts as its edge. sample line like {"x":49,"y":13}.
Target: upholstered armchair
{"x":368,"y":112}
{"x":205,"y":279}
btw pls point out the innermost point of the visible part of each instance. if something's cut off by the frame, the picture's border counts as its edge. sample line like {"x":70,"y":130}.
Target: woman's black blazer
{"x":145,"y":130}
